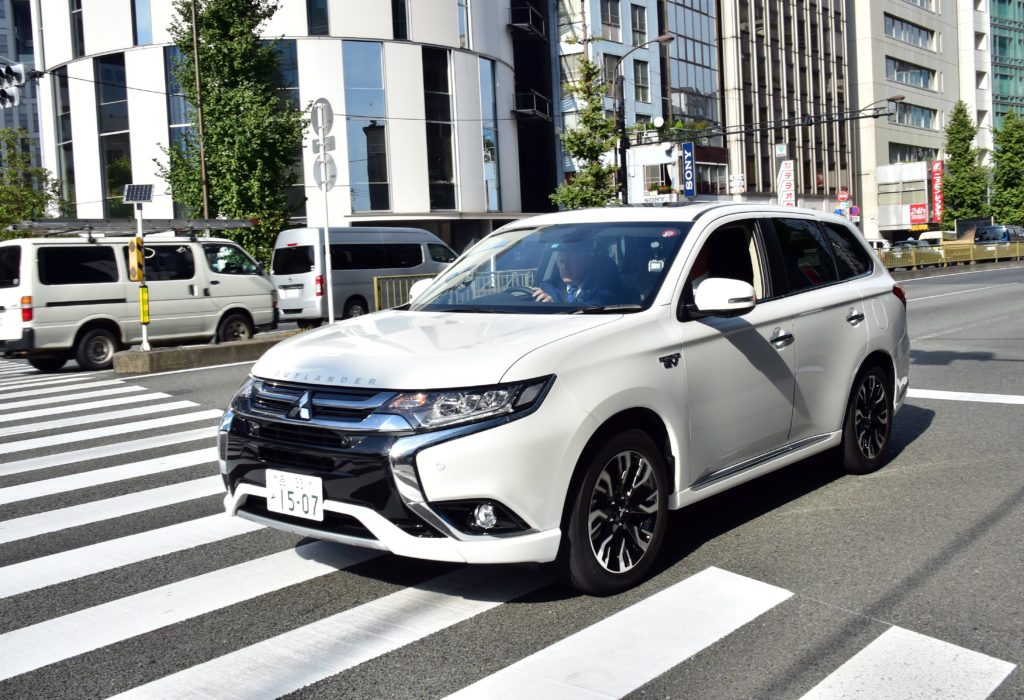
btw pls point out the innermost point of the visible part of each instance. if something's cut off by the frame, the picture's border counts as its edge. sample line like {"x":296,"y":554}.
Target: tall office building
{"x":16,"y":46}
{"x":1007,"y":22}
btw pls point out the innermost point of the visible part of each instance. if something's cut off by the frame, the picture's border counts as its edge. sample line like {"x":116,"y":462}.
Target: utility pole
{"x":199,"y":115}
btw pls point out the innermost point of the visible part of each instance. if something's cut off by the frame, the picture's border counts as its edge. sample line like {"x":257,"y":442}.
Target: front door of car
{"x":739,"y":371}
{"x":234,"y":279}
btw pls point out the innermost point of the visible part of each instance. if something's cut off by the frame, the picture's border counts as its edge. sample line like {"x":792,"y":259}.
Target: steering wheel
{"x":519,"y":291}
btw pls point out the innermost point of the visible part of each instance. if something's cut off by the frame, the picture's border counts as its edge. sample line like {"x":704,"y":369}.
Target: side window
{"x":167,"y":262}
{"x":729,"y":252}
{"x":441,"y":253}
{"x":851,"y":258}
{"x":229,"y":259}
{"x":77,"y":265}
{"x":375,"y":256}
{"x":806,"y":259}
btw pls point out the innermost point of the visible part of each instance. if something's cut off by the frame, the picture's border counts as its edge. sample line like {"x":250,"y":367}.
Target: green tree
{"x":592,"y":137}
{"x":1008,"y":171}
{"x":965,"y":180}
{"x":26,"y":191}
{"x":252,"y":132}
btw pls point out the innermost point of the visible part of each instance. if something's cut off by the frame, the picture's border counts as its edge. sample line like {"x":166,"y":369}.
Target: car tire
{"x":617,"y":517}
{"x":95,"y":349}
{"x":867,"y":428}
{"x":47,"y":364}
{"x":355,"y":307}
{"x":234,"y":327}
{"x":310,"y":324}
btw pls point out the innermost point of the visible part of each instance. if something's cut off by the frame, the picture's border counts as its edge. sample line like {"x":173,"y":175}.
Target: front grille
{"x":283,"y":400}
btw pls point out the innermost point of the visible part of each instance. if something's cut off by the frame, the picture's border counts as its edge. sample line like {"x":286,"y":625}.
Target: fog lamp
{"x":484,"y":516}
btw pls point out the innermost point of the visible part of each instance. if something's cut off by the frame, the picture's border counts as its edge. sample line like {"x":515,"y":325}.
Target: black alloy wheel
{"x":867,"y":429}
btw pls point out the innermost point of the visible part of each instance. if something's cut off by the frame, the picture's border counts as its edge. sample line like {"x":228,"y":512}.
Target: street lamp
{"x":857,"y":184}
{"x":620,"y":111}
{"x":878,"y":112}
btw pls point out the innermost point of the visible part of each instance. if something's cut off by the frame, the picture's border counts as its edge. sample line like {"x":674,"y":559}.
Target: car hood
{"x":418,"y":350}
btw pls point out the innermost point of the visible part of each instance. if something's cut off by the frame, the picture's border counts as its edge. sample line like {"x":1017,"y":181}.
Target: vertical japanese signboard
{"x":785,"y":183}
{"x":689,"y":171}
{"x":937,"y":200}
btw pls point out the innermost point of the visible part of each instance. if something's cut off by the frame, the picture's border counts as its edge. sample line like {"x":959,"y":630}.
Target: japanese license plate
{"x":295,"y":494}
{"x":289,"y":293}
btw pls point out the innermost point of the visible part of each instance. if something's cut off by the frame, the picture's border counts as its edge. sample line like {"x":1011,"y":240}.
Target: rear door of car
{"x":13,"y":286}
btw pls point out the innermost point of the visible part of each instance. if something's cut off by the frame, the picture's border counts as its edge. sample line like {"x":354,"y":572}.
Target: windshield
{"x":992,"y":233}
{"x":565,"y":268}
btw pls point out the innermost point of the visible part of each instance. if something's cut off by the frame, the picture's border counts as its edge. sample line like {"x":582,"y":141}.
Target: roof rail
{"x":128,"y":227}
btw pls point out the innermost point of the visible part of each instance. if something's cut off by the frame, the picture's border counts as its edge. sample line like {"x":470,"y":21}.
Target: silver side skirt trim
{"x":758,"y":461}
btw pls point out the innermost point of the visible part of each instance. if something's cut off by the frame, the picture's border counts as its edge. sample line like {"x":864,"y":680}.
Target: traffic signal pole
{"x":140,"y":253}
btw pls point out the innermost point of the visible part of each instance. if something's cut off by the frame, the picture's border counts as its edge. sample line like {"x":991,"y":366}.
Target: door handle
{"x":214,"y":281}
{"x":781,"y":339}
{"x":193,"y":290}
{"x":854,"y":317}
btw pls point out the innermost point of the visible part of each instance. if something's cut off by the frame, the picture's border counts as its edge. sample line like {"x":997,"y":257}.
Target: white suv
{"x":570,"y":379}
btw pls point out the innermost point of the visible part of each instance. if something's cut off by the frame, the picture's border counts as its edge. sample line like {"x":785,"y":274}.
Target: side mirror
{"x":418,"y":286}
{"x":719,"y":296}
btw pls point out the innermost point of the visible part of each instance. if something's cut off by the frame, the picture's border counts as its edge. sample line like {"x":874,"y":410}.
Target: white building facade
{"x":422,"y":93}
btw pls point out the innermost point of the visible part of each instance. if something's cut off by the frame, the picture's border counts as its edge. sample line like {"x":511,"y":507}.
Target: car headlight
{"x":243,"y":393}
{"x":448,"y":407}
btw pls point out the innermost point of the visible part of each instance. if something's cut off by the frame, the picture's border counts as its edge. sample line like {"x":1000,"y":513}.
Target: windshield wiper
{"x":609,"y":309}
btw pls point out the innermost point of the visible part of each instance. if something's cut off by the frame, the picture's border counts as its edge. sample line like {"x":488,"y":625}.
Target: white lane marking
{"x":123,"y":429}
{"x":36,"y":427}
{"x":17,"y":369}
{"x":87,"y":406}
{"x":96,"y":511}
{"x":22,"y":382}
{"x":45,"y":643}
{"x":103,"y":451}
{"x":49,"y":400}
{"x":103,"y":556}
{"x":194,"y":369}
{"x":55,"y":390}
{"x":965,"y":396}
{"x":953,"y":294}
{"x":645,"y":640}
{"x":903,"y":664}
{"x":49,"y":487}
{"x":282,"y":664}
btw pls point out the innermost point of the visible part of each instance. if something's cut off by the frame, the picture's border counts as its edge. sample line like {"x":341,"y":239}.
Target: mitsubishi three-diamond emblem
{"x":300,"y":409}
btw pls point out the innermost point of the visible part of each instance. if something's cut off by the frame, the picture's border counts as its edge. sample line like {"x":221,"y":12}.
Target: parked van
{"x":358,"y":255}
{"x":64,"y":298}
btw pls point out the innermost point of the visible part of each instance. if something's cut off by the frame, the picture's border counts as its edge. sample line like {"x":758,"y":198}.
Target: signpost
{"x":325,"y":172}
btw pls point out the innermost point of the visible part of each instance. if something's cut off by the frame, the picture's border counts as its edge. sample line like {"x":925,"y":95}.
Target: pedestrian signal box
{"x":136,"y":260}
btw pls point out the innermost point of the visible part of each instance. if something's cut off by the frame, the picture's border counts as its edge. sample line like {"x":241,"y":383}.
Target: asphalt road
{"x":117,"y":572}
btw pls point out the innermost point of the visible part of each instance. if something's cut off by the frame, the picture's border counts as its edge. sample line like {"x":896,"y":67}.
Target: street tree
{"x":252,"y":135}
{"x":26,"y":191}
{"x":592,"y":137}
{"x":1008,"y":171}
{"x":965,"y":180}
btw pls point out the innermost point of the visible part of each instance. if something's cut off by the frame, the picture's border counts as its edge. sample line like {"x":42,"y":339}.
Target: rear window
{"x":293,"y":260}
{"x":167,"y":262}
{"x":10,"y":264}
{"x":375,"y":256}
{"x":77,"y":265}
{"x":806,"y":257}
{"x":851,"y":258}
{"x":992,"y":233}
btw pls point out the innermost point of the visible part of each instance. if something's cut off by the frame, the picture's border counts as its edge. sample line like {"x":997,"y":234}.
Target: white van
{"x":64,"y":298}
{"x":358,"y":255}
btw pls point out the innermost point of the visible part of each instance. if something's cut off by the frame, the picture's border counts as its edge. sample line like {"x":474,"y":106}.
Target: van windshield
{"x":992,"y":233}
{"x":10,"y":264}
{"x":294,"y":260}
{"x":567,"y":268}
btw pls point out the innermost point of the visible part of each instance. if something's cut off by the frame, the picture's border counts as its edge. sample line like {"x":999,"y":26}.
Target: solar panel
{"x":138,"y":193}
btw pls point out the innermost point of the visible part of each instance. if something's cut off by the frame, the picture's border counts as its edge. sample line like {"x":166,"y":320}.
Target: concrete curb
{"x":193,"y":356}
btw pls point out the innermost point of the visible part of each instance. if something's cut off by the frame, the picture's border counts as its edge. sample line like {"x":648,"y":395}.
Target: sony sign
{"x":689,"y":171}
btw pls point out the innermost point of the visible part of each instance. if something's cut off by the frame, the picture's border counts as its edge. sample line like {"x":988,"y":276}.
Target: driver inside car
{"x":582,"y":277}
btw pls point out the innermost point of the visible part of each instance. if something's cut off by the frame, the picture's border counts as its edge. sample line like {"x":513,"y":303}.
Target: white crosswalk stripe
{"x":81,"y":407}
{"x":52,"y":400}
{"x":10,"y":384}
{"x":25,"y":393}
{"x":40,"y":426}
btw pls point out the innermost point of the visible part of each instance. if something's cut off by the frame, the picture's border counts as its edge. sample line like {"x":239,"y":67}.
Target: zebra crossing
{"x":211,"y":606}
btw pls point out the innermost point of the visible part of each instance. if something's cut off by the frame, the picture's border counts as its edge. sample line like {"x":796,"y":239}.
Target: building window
{"x":638,"y":18}
{"x":641,"y":81}
{"x":568,"y":69}
{"x":115,"y":144}
{"x":77,"y":29}
{"x":400,"y":18}
{"x":911,"y":115}
{"x":65,"y":149}
{"x":366,"y":126}
{"x":489,"y":119}
{"x":142,"y":23}
{"x":438,"y":102}
{"x":909,"y":74}
{"x":179,"y":112}
{"x":907,"y":153}
{"x":316,"y":15}
{"x":611,"y":21}
{"x":926,"y":4}
{"x":612,"y":69}
{"x":570,"y":18}
{"x":464,"y":28}
{"x":900,"y":30}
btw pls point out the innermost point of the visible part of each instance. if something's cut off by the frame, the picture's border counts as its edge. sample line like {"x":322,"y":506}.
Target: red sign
{"x":918,"y":213}
{"x":937,"y":200}
{"x":842,"y":195}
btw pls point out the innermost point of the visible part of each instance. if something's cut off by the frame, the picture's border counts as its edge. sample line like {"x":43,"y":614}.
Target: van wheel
{"x":47,"y":364}
{"x":234,"y":327}
{"x":355,"y":307}
{"x":617,"y":520}
{"x":95,"y":349}
{"x":309,"y":325}
{"x":867,"y":428}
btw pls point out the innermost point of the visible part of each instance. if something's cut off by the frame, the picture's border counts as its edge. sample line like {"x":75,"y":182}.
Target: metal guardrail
{"x":393,"y":290}
{"x":956,"y":254}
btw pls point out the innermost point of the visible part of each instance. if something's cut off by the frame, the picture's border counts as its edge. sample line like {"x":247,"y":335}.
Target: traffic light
{"x":11,"y":78}
{"x":136,"y":260}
